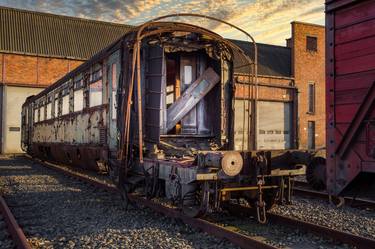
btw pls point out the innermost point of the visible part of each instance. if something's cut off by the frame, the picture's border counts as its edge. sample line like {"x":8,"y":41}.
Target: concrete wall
{"x":308,"y":66}
{"x":13,"y":98}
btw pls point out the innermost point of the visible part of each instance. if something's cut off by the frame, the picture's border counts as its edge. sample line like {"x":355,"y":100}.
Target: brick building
{"x":308,"y":69}
{"x":36,"y":49}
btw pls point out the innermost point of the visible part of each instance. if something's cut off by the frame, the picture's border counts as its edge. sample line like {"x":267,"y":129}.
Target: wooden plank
{"x":352,"y":96}
{"x":345,"y":113}
{"x":355,"y":32}
{"x":355,"y":81}
{"x":190,"y":98}
{"x":357,"y":13}
{"x":355,"y":65}
{"x":357,"y":120}
{"x":355,"y":49}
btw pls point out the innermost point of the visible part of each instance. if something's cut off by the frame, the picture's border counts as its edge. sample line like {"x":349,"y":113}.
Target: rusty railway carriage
{"x":350,"y":69}
{"x":155,"y":110}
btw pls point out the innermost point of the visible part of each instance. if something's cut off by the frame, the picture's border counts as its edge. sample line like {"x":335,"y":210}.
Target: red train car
{"x":350,"y":70}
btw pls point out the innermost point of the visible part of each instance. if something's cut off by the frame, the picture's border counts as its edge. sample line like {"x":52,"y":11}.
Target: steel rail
{"x":349,"y":201}
{"x":14,"y":229}
{"x":215,"y":230}
{"x":322,"y":231}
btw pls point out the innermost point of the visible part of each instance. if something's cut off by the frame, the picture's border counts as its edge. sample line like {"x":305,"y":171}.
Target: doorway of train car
{"x":113,"y":71}
{"x":182,"y":70}
{"x":191,"y":85}
{"x":186,"y":102}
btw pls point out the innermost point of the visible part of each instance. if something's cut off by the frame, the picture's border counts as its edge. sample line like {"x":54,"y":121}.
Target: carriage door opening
{"x":182,"y":70}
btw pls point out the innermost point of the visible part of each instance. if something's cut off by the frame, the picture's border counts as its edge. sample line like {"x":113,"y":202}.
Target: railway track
{"x":302,"y":188}
{"x":11,"y":235}
{"x":237,"y":237}
{"x":329,"y":233}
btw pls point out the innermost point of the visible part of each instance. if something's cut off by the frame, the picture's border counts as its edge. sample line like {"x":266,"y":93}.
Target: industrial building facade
{"x":36,"y":49}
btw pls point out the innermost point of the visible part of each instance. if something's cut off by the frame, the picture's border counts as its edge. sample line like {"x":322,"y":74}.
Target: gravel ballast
{"x":56,"y":211}
{"x":353,"y":220}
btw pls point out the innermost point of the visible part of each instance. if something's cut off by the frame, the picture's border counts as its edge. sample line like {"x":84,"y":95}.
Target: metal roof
{"x":272,"y":60}
{"x":29,"y":32}
{"x":36,"y":33}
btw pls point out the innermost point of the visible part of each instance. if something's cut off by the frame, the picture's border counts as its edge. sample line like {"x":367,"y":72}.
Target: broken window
{"x":41,"y":110}
{"x":78,"y":94}
{"x":36,"y":115}
{"x":65,"y":101}
{"x":58,"y":103}
{"x":49,"y":107}
{"x":311,"y":43}
{"x":96,"y":87}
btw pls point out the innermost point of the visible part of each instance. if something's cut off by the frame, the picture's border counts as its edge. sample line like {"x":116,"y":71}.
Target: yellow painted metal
{"x":247,"y":188}
{"x":207,"y":177}
{"x":289,"y":172}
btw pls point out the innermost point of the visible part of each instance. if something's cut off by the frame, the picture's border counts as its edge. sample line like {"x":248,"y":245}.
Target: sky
{"x":268,"y":21}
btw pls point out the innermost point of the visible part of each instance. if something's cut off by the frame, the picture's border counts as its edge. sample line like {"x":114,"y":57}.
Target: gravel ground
{"x":348,"y":219}
{"x":56,"y":211}
{"x":276,"y":235}
{"x":5,"y":239}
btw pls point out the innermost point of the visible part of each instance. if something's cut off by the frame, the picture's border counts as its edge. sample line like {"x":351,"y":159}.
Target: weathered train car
{"x":350,"y":69}
{"x":156,"y":109}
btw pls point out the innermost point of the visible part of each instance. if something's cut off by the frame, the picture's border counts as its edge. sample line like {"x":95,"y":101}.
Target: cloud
{"x":268,"y":20}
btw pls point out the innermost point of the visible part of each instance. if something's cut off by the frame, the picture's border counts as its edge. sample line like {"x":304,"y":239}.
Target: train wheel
{"x":316,"y":173}
{"x":195,"y":203}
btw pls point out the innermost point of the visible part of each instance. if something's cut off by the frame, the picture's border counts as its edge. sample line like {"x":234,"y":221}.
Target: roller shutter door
{"x":274,"y":125}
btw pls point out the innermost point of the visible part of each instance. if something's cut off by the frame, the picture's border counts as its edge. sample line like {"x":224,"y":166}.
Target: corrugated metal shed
{"x":272,"y":60}
{"x":37,"y":33}
{"x":43,"y":34}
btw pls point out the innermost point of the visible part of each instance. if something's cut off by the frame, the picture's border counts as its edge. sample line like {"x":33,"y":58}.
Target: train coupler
{"x":260,"y":204}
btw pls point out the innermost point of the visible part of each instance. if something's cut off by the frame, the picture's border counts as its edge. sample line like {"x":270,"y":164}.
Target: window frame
{"x":311,"y":106}
{"x":312,"y":49}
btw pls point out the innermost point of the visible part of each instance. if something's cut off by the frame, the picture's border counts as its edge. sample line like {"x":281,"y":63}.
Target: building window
{"x":311,"y":135}
{"x":311,"y":44}
{"x":311,"y":98}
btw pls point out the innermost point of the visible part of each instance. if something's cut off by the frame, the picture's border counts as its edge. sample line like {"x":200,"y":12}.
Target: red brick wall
{"x":270,"y":92}
{"x":308,"y":67}
{"x":33,"y":70}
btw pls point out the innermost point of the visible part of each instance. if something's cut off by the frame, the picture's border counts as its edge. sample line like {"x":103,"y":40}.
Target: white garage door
{"x":274,"y":125}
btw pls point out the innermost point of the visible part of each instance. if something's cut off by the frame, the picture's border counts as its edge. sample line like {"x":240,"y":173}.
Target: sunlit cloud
{"x":267,"y":20}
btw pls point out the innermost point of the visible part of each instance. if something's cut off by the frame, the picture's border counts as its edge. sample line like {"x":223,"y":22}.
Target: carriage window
{"x":78,"y":100}
{"x":49,"y":107}
{"x":114,"y":89}
{"x":65,"y":101}
{"x":57,"y":104}
{"x":78,"y":94}
{"x":41,"y":109}
{"x":35,"y":115}
{"x":96,"y":88}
